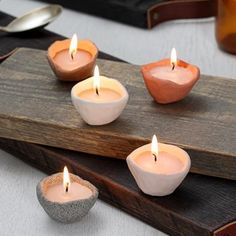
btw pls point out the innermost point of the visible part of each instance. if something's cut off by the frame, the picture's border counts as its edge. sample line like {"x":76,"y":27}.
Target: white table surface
{"x":20,"y":212}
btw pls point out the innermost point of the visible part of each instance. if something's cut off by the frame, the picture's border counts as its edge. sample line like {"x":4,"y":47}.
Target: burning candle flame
{"x":154,"y":147}
{"x":173,"y":58}
{"x":96,"y":80}
{"x":73,"y":46}
{"x":66,"y":179}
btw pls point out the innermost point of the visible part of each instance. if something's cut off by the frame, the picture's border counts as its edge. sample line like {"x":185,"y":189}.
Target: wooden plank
{"x":36,"y":107}
{"x":200,"y":206}
{"x":47,"y":163}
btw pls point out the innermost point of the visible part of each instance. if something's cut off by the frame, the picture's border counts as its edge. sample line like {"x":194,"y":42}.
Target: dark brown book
{"x":144,"y":13}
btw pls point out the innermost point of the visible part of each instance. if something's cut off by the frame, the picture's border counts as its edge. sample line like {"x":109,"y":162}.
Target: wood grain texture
{"x":103,"y":220}
{"x":8,"y":43}
{"x":200,"y":206}
{"x":37,"y":108}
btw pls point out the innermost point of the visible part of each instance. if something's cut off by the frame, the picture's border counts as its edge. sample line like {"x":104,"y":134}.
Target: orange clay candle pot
{"x":158,"y":168}
{"x":170,"y":80}
{"x":71,"y":60}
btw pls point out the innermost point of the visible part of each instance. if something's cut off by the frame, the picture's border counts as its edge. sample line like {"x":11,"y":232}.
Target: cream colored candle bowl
{"x":158,"y":169}
{"x":98,"y":99}
{"x":66,"y":197}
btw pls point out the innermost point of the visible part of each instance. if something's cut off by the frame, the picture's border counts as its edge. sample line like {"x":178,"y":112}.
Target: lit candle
{"x":67,"y":191}
{"x":98,"y":94}
{"x":72,"y":60}
{"x":98,"y":99}
{"x":170,"y":80}
{"x":172,"y":72}
{"x":66,"y":197}
{"x":158,"y":168}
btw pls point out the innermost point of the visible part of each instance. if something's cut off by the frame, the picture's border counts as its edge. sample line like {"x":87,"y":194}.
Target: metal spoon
{"x":33,"y":20}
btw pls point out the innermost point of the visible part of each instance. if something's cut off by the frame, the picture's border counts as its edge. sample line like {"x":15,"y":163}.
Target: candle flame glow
{"x":173,"y":58}
{"x":154,"y":147}
{"x":66,"y":179}
{"x":73,"y":46}
{"x":96,"y":80}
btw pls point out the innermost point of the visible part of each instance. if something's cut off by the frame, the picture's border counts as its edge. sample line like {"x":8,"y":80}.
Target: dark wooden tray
{"x":36,"y":107}
{"x":200,"y":206}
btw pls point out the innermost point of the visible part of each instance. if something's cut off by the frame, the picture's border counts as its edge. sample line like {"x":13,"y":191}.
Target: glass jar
{"x":226,"y":25}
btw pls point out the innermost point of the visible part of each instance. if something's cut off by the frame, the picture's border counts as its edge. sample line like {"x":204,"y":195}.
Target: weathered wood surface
{"x":36,"y":107}
{"x":42,"y":160}
{"x":200,"y":206}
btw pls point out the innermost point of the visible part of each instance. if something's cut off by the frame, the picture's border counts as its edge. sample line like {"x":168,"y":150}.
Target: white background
{"x":20,"y":212}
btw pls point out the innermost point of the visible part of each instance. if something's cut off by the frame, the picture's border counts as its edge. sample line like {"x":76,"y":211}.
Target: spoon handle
{"x":2,"y":28}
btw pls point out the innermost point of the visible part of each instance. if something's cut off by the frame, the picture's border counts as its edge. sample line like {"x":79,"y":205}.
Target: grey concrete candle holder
{"x":67,"y":212}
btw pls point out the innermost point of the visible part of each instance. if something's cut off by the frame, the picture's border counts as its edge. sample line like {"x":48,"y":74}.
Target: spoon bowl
{"x":36,"y":19}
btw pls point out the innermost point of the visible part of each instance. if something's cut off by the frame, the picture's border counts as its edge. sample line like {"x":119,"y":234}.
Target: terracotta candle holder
{"x":66,"y":207}
{"x":159,"y":173}
{"x":75,"y":65}
{"x":99,"y":103}
{"x":168,"y":81}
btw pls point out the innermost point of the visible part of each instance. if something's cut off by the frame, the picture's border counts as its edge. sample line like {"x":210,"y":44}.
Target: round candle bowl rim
{"x":147,"y":147}
{"x":146,"y":70}
{"x":79,"y":180}
{"x":61,"y":42}
{"x":124,"y":95}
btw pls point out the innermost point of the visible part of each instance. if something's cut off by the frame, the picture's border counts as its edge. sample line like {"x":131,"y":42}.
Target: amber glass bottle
{"x":226,"y":25}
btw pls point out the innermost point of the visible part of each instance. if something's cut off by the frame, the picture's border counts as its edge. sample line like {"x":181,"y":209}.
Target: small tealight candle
{"x":98,"y":99}
{"x":170,"y":80}
{"x":72,"y":60}
{"x":158,"y":168}
{"x":67,"y":191}
{"x":98,"y":94}
{"x":65,"y":200}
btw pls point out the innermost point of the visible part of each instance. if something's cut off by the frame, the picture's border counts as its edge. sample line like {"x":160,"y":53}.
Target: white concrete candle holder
{"x":99,"y":112}
{"x":158,"y":184}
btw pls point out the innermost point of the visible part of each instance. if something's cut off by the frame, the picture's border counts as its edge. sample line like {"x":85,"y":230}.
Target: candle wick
{"x":173,"y":66}
{"x":97,"y":91}
{"x":73,"y":55}
{"x":67,"y":187}
{"x":155,"y":157}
